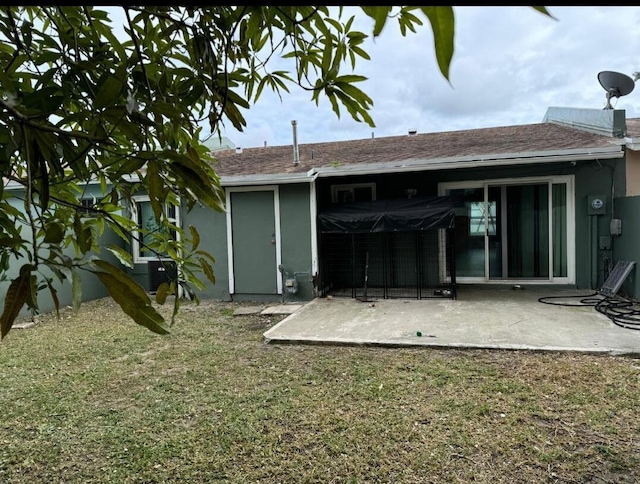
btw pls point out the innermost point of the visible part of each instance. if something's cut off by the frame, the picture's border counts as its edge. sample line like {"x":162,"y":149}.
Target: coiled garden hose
{"x":623,"y":312}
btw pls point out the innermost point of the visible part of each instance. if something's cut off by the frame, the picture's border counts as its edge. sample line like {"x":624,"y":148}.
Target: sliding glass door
{"x":514,"y":230}
{"x":520,"y":250}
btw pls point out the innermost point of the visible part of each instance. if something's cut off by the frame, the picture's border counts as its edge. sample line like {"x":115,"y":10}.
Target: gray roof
{"x":506,"y":142}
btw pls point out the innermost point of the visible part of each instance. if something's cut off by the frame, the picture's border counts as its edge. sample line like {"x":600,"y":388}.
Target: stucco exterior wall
{"x":605,"y":178}
{"x":295,"y":224}
{"x":91,"y":286}
{"x":296,"y":255}
{"x":633,"y":173}
{"x":627,"y":245}
{"x":212,"y":227}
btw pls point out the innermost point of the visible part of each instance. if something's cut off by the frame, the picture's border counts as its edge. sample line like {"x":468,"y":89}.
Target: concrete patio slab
{"x":246,"y":310}
{"x":282,"y":309}
{"x":479,"y":318}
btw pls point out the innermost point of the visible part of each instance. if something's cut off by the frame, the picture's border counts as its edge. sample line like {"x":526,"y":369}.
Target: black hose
{"x":622,"y":312}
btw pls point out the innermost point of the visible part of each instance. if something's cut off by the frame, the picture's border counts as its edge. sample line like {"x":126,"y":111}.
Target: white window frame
{"x":85,"y":209}
{"x":349,"y":187}
{"x":135,"y":243}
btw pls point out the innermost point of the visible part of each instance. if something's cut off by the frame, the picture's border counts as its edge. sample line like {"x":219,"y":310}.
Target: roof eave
{"x":601,"y":153}
{"x":275,"y":178}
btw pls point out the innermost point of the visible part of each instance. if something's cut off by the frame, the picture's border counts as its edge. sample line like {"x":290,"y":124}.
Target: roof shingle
{"x":506,"y":140}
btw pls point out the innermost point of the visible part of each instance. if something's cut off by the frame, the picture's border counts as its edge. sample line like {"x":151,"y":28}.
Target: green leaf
{"x":125,"y":292}
{"x":136,"y":289}
{"x":15,"y":298}
{"x":76,"y":290}
{"x":195,"y":237}
{"x":6,"y":241}
{"x":123,"y":256}
{"x":443,"y":25}
{"x":379,"y":15}
{"x":350,"y":78}
{"x":161,"y":293}
{"x":206,"y":254}
{"x":207,"y":269}
{"x":85,"y":241}
{"x":544,"y":11}
{"x":193,"y":177}
{"x":54,"y":233}
{"x":109,"y":91}
{"x":32,"y":293}
{"x":176,"y":304}
{"x":54,"y":297}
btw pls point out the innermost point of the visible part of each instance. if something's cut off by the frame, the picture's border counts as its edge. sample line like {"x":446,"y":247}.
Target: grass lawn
{"x":94,"y":398}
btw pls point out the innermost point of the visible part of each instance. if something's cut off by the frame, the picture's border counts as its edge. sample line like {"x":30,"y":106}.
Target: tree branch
{"x":22,"y":119}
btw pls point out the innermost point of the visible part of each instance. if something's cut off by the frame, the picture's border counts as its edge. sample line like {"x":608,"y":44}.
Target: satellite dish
{"x":616,"y":85}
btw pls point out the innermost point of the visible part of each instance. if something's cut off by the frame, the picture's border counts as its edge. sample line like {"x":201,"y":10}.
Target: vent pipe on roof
{"x":296,"y":154}
{"x":412,"y":132}
{"x":238,"y":150}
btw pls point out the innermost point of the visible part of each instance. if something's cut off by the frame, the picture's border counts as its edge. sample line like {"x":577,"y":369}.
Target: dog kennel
{"x":388,"y":249}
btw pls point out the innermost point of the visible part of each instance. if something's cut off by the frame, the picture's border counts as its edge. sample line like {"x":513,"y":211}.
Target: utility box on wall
{"x":596,"y":204}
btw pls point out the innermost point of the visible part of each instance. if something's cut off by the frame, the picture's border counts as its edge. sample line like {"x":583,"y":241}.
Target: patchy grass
{"x":94,"y":398}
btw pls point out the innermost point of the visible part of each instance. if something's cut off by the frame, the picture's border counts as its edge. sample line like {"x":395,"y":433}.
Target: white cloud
{"x":510,"y":65}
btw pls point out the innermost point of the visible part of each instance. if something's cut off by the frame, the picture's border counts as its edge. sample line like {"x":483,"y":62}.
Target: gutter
{"x":473,"y":162}
{"x":254,"y":180}
{"x":458,"y":162}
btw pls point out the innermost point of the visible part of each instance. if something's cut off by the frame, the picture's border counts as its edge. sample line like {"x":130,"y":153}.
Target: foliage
{"x":87,"y":101}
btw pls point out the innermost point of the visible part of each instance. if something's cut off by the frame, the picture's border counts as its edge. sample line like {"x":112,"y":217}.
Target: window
{"x":142,"y":214}
{"x":358,"y":192}
{"x":476,"y":218}
{"x":86,"y":204}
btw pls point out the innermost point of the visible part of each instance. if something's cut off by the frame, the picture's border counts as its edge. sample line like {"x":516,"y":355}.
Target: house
{"x":552,"y":203}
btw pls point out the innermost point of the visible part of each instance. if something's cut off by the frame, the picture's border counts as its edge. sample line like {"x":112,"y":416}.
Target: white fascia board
{"x":10,"y":184}
{"x":472,"y":162}
{"x":632,"y":143}
{"x":273,"y":179}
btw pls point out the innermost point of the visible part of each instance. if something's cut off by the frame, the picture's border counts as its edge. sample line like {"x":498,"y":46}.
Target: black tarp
{"x":401,"y":215}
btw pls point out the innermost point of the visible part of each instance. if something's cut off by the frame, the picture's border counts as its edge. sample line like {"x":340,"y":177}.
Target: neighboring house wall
{"x":625,"y":246}
{"x":633,"y":173}
{"x":91,"y":286}
{"x":626,"y":209}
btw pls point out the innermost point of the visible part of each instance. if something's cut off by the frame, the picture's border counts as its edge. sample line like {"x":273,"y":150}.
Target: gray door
{"x":254,"y":242}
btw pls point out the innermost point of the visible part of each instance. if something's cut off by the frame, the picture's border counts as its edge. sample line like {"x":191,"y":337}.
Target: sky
{"x":510,"y":64}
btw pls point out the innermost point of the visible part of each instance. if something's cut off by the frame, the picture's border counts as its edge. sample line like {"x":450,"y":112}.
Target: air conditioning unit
{"x":161,"y":271}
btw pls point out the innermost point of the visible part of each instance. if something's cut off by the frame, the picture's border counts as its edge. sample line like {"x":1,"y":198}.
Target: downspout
{"x":296,"y":153}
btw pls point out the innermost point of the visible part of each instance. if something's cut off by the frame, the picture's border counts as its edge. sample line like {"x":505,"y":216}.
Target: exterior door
{"x":255,"y":242}
{"x":520,"y":229}
{"x":519,"y":232}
